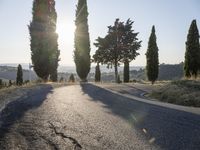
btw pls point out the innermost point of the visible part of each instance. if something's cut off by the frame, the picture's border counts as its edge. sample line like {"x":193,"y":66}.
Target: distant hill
{"x":171,"y":72}
{"x":72,"y":69}
{"x":9,"y":73}
{"x":166,"y":72}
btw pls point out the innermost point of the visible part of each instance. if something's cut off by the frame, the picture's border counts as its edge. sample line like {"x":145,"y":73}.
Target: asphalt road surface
{"x":90,"y":117}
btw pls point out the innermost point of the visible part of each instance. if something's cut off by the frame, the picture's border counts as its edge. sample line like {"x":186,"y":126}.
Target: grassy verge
{"x":183,"y":92}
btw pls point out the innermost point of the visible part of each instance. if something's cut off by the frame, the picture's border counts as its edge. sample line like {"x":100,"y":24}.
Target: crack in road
{"x":76,"y":144}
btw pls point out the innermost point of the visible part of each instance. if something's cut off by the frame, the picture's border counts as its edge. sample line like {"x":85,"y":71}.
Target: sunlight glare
{"x":65,"y":31}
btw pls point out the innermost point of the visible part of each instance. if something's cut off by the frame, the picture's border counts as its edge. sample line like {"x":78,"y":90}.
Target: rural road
{"x":90,"y":117}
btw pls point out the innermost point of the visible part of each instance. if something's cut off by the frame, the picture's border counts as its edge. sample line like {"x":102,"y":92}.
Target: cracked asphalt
{"x":89,"y":117}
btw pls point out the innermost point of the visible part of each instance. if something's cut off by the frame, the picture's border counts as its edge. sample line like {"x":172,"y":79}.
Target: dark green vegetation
{"x":44,"y":46}
{"x":192,"y":54}
{"x":182,"y":92}
{"x":19,"y":79}
{"x":152,"y":66}
{"x":97,"y":73}
{"x":126,"y":72}
{"x":82,"y":41}
{"x":71,"y":78}
{"x":1,"y":83}
{"x":120,"y":45}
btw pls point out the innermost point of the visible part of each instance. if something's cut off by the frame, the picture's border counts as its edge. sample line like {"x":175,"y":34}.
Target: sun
{"x":65,"y":31}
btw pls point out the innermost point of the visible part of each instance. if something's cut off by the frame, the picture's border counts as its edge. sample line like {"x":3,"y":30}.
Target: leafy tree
{"x":44,"y":47}
{"x":119,"y":45}
{"x":192,"y":54}
{"x":19,"y":79}
{"x":82,"y":41}
{"x":71,"y":78}
{"x":152,"y":66}
{"x":109,"y":48}
{"x":130,"y":47}
{"x":97,"y":73}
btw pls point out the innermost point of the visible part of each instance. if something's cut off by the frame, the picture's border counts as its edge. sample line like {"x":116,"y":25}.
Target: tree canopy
{"x":119,"y":45}
{"x":152,"y":66}
{"x":192,"y":54}
{"x":43,"y":38}
{"x":82,"y":41}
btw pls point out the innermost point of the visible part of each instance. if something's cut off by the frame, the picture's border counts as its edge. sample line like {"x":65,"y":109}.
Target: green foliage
{"x":119,"y":45}
{"x":97,"y":73}
{"x":61,"y":79}
{"x":71,"y":78}
{"x":152,"y":66}
{"x":182,"y":92}
{"x":1,"y":83}
{"x":192,"y":54}
{"x":19,"y":79}
{"x":10,"y":83}
{"x":126,"y":72}
{"x":82,"y":41}
{"x":44,"y":47}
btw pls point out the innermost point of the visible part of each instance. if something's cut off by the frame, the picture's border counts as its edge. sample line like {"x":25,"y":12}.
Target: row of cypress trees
{"x":45,"y":53}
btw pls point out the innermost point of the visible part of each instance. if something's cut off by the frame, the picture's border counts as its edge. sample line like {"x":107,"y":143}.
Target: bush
{"x":71,"y":78}
{"x":184,"y":92}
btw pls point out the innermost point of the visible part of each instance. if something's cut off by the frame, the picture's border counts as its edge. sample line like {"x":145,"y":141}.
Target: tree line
{"x":119,"y":46}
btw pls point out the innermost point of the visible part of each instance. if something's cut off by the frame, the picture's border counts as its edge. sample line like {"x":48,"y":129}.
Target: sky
{"x":171,"y":18}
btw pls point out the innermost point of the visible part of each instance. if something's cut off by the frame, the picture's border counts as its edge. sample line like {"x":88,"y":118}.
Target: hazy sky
{"x":171,"y":18}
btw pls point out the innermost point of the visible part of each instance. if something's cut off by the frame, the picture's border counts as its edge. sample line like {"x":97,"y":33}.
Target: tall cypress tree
{"x":44,"y":47}
{"x":126,"y":72}
{"x":19,"y":78}
{"x":82,"y":41}
{"x":97,"y":73}
{"x":53,"y":41}
{"x":152,"y":66}
{"x":192,"y":54}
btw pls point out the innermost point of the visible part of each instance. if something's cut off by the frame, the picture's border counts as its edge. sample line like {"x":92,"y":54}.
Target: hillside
{"x":9,"y":73}
{"x":166,"y":72}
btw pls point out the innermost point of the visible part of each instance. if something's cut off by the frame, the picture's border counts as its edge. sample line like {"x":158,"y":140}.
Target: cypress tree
{"x":53,"y":44}
{"x":10,"y":83}
{"x":126,"y":72}
{"x":152,"y":66}
{"x":19,"y":79}
{"x":192,"y":54}
{"x":1,"y":83}
{"x":82,"y":41}
{"x":44,"y":47}
{"x":71,"y":78}
{"x":97,"y":73}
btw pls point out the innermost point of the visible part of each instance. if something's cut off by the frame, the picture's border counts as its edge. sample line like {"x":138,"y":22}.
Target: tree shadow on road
{"x":15,"y":110}
{"x":167,"y":128}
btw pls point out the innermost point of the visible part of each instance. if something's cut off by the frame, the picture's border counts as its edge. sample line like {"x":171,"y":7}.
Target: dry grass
{"x":183,"y":92}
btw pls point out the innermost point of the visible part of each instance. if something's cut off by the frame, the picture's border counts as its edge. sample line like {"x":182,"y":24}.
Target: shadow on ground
{"x":167,"y":128}
{"x":15,"y":110}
